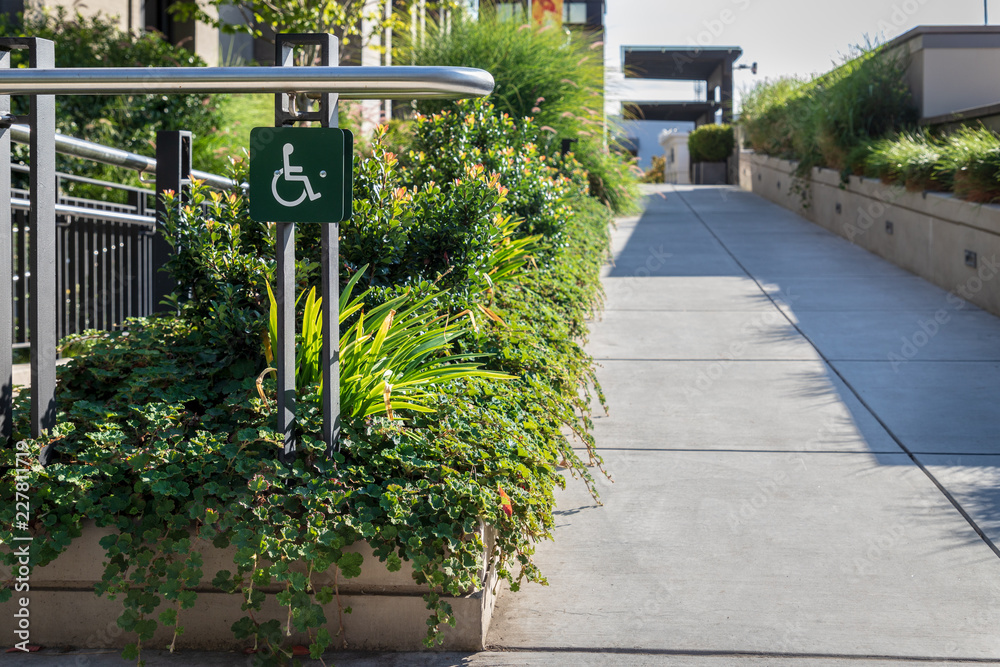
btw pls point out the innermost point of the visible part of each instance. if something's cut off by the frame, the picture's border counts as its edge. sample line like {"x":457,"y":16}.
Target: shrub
{"x":966,"y":161}
{"x":221,"y":265}
{"x":657,"y":171}
{"x":612,"y":177}
{"x":452,"y":235}
{"x":126,"y":122}
{"x":447,"y":145}
{"x":830,"y":120}
{"x":910,"y":159}
{"x":970,"y":158}
{"x":865,"y":98}
{"x":541,"y":73}
{"x":711,"y":143}
{"x":466,"y":206}
{"x":555,"y":78}
{"x":765,"y":115}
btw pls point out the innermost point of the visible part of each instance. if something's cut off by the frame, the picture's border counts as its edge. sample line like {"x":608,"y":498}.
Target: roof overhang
{"x":680,"y":63}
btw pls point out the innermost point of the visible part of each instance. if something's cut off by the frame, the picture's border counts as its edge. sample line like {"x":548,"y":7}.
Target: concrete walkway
{"x":805,"y":442}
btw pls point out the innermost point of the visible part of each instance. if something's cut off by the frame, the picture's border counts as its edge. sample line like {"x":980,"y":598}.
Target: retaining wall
{"x":927,"y":233}
{"x":388,"y":611}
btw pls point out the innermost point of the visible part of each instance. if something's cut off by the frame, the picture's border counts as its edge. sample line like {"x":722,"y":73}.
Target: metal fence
{"x":104,"y":261}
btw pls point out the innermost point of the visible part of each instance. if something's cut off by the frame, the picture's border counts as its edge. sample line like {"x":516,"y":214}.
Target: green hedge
{"x":711,"y":143}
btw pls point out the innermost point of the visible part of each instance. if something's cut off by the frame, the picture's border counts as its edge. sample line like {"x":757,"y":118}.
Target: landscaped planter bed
{"x":465,"y":290}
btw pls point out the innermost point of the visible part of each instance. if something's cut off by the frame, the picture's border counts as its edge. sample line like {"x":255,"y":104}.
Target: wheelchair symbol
{"x":293,"y":174}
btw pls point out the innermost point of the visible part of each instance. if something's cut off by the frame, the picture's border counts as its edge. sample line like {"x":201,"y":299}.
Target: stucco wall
{"x":956,"y":79}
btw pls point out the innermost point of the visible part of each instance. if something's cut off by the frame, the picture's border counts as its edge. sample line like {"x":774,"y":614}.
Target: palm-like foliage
{"x":390,"y":356}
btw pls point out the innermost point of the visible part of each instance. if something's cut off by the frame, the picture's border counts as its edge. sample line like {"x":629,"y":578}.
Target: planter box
{"x":709,"y":173}
{"x":929,"y":233}
{"x":388,"y":610}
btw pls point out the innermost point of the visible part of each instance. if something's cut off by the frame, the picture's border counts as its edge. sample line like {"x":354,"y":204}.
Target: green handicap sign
{"x":301,"y":174}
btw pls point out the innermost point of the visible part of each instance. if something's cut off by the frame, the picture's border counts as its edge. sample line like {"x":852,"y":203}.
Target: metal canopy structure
{"x":690,"y":112}
{"x":713,"y":65}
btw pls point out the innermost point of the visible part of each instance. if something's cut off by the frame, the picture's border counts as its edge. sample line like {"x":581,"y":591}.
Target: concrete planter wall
{"x":709,"y":173}
{"x":926,"y":233}
{"x":388,"y":610}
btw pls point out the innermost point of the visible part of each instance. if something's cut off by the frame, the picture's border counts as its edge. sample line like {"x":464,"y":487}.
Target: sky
{"x":785,"y":37}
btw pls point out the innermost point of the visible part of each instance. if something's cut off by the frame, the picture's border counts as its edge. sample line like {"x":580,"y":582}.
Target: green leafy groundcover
{"x":163,"y":435}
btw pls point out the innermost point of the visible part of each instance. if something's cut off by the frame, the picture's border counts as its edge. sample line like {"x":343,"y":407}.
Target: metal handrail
{"x":350,"y":83}
{"x":73,"y":178}
{"x":91,"y":213}
{"x":116,"y":157}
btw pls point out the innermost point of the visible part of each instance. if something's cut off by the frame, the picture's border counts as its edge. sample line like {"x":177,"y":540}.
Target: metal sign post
{"x":6,"y":271}
{"x":301,"y":175}
{"x":41,"y":251}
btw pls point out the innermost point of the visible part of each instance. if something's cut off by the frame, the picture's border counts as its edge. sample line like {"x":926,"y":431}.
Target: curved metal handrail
{"x":350,"y":83}
{"x":116,"y":157}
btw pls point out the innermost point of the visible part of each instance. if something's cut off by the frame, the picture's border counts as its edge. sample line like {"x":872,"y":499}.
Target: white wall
{"x":957,"y":79}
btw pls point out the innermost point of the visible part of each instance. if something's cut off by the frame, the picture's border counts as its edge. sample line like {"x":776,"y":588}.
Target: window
{"x":575,"y":13}
{"x":157,"y":18}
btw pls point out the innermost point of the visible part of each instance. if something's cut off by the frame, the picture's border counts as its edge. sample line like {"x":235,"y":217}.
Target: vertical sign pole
{"x":330,"y":283}
{"x":284,"y":297}
{"x":285,"y":114}
{"x":284,"y":294}
{"x":6,"y":274}
{"x":42,"y":254}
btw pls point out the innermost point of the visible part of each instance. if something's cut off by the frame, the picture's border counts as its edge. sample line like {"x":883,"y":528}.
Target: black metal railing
{"x":104,"y":267}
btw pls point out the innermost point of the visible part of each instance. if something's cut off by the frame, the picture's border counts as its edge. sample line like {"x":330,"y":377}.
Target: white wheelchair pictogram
{"x":293,"y":174}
